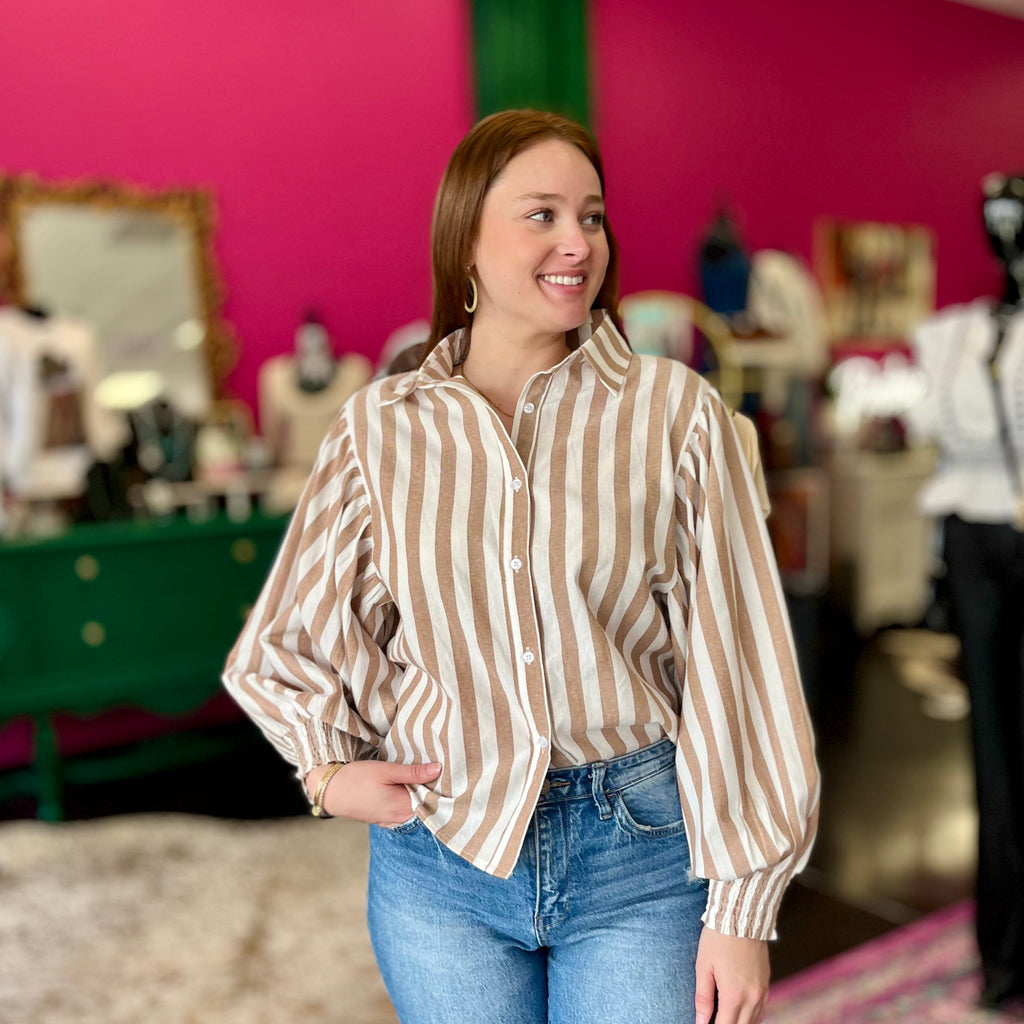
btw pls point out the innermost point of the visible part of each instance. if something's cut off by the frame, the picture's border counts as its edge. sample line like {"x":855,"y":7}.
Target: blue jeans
{"x":598,"y":923}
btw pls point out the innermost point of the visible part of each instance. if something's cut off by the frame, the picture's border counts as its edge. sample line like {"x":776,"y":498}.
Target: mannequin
{"x":299,"y":396}
{"x":974,"y":359}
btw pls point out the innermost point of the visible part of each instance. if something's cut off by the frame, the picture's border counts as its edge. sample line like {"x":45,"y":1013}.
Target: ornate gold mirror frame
{"x":191,"y":210}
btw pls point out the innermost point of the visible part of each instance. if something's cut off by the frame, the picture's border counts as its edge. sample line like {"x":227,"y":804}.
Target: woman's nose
{"x":573,"y":243}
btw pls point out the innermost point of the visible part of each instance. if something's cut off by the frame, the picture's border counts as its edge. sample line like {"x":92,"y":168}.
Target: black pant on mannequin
{"x":985,"y":565}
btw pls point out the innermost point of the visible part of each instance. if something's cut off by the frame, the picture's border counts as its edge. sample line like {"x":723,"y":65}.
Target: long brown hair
{"x":473,"y":168}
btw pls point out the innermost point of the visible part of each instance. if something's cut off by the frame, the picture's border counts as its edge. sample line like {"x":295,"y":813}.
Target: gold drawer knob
{"x":86,"y":568}
{"x":243,"y":551}
{"x":94,"y":634}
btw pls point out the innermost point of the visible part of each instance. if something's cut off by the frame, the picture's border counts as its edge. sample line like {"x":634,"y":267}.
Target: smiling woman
{"x":527,"y":624}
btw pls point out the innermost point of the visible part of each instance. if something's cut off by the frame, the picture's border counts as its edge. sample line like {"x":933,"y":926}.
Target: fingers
{"x":413,"y":774}
{"x":395,"y":805}
{"x":704,"y":999}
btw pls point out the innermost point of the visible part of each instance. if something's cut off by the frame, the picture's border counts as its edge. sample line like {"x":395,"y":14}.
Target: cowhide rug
{"x":177,"y":919}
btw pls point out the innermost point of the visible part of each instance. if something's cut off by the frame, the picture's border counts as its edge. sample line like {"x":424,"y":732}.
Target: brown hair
{"x":473,"y":168}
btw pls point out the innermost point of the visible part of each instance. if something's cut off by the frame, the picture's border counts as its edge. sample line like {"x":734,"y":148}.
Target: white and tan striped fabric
{"x":503,"y":603}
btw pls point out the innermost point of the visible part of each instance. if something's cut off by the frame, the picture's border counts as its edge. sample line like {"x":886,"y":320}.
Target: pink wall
{"x":322,"y":127}
{"x":879,"y":110}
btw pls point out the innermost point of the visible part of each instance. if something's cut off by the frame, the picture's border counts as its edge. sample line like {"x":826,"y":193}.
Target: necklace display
{"x":164,"y":441}
{"x":490,"y":401}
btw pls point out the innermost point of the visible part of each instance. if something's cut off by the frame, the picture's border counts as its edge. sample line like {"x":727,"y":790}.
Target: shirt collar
{"x":600,"y":343}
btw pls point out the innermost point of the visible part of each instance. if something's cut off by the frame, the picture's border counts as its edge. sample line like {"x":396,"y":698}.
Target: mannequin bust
{"x":299,"y":396}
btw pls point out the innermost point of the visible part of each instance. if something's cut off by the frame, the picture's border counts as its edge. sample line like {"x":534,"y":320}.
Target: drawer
{"x":144,"y":604}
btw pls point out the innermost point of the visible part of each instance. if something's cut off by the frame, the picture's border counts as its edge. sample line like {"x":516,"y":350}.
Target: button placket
{"x":520,"y":595}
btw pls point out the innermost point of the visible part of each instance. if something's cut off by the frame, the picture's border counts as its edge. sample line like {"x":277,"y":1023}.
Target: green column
{"x":531,"y":53}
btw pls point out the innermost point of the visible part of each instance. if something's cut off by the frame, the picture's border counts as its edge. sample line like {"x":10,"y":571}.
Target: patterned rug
{"x":179,"y":919}
{"x":922,"y":973}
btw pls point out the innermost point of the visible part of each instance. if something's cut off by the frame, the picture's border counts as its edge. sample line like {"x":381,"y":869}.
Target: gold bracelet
{"x":317,"y":810}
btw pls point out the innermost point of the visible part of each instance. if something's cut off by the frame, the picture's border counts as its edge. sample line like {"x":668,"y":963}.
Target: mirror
{"x":137,"y":268}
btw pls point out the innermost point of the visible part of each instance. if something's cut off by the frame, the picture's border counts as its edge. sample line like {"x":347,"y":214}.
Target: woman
{"x":527,"y":624}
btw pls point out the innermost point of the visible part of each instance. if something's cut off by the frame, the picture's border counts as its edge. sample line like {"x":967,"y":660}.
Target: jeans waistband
{"x":608,"y":776}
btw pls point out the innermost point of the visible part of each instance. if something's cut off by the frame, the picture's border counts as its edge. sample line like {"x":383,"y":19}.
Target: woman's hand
{"x":738,"y":971}
{"x":371,"y":791}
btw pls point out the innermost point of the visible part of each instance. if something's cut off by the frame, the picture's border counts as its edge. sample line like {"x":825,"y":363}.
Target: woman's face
{"x":541,"y":251}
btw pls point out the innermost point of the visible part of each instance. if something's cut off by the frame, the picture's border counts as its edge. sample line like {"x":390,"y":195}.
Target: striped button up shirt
{"x":577,"y":588}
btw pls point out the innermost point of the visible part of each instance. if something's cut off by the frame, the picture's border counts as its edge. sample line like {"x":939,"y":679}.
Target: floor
{"x":897,"y":833}
{"x":897,"y":827}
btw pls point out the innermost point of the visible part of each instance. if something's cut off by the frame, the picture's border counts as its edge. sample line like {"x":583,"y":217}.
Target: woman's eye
{"x":546,"y":216}
{"x":594,"y":220}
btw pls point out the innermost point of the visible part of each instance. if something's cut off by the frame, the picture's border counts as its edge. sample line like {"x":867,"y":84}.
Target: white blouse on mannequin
{"x":959,"y":411}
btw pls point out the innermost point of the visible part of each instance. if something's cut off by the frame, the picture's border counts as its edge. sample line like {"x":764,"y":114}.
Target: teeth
{"x":561,"y":279}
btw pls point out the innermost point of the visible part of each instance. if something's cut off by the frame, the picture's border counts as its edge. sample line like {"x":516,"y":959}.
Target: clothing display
{"x":975,"y":496}
{"x":439,"y":597}
{"x":724,"y":266}
{"x":784,"y":299}
{"x":51,"y":429}
{"x":985,"y":568}
{"x":953,"y":348}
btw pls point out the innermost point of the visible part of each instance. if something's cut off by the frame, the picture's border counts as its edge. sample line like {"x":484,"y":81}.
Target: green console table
{"x":137,"y":614}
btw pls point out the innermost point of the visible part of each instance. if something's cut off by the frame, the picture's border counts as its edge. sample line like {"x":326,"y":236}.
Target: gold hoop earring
{"x":471,"y":307}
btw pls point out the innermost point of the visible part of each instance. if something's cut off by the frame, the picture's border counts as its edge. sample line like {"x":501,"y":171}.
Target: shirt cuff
{"x":316,"y":743}
{"x":747,"y":907}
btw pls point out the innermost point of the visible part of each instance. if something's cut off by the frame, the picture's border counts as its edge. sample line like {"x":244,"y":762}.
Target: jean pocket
{"x":650,"y":806}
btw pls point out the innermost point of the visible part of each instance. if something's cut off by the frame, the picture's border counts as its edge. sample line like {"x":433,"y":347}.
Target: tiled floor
{"x":896,"y":837}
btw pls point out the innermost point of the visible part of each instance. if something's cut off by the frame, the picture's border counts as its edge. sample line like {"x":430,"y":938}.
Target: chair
{"x":662,"y":323}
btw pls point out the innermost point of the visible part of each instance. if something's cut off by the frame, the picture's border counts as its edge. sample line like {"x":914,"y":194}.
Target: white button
{"x":542,"y":742}
{"x":516,"y":564}
{"x":528,"y":657}
{"x":529,"y":407}
{"x":516,"y":484}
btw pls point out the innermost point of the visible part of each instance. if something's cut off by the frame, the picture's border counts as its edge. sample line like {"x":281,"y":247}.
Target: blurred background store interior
{"x":193,"y":194}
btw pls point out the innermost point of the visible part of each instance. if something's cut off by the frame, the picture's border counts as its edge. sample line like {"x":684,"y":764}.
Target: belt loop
{"x":597,"y":770}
